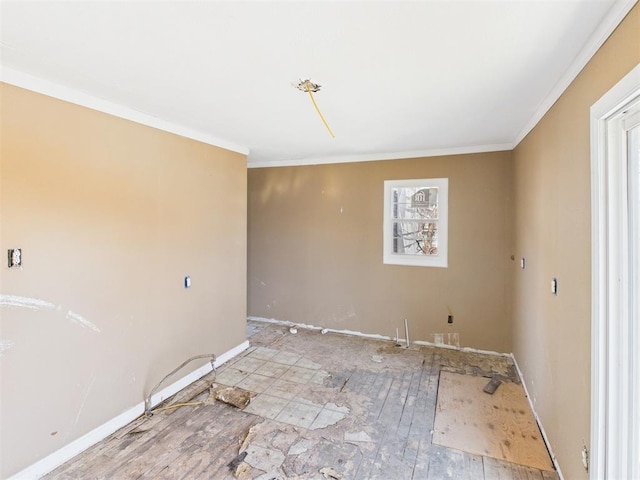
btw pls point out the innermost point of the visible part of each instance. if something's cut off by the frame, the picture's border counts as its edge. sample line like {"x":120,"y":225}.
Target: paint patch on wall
{"x":449,"y":339}
{"x":6,"y":345}
{"x":25,"y":302}
{"x":80,"y":320}
{"x":16,"y":301}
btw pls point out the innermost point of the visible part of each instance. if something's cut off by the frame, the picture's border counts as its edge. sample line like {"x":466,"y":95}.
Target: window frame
{"x":441,"y":259}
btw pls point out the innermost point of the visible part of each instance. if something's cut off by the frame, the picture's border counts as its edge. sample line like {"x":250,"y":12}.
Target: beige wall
{"x":552,"y":188}
{"x":110,"y":216}
{"x":315,"y":250}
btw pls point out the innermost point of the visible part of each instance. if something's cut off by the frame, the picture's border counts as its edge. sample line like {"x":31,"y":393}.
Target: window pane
{"x":415,"y":238}
{"x":415,"y":203}
{"x":415,"y":222}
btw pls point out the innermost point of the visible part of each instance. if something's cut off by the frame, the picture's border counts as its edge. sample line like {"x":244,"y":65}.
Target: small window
{"x":415,"y":222}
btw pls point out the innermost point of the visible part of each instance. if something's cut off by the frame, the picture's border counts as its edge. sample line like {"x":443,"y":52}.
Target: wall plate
{"x":14,"y":257}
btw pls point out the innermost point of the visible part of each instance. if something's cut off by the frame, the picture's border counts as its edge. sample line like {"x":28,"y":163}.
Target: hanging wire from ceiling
{"x":311,"y":88}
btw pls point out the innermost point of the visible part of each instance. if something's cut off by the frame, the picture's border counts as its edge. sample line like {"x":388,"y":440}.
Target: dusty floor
{"x":322,"y":406}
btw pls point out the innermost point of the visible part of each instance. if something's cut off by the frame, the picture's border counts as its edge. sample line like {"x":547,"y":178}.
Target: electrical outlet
{"x":554,"y":286}
{"x":15,"y":257}
{"x":585,"y":457}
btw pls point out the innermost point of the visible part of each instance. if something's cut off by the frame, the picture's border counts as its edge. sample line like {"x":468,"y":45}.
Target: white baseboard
{"x":462,"y":349}
{"x":234,"y":352}
{"x":57,"y":458}
{"x":313,"y":327}
{"x":535,"y":414}
{"x":375,"y":336}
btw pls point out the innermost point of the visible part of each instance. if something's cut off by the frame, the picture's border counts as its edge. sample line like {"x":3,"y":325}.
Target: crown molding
{"x":374,"y":157}
{"x":614,"y":17}
{"x":616,"y":14}
{"x":55,"y":90}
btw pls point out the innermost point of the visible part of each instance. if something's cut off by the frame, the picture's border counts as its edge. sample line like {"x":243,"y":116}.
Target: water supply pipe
{"x":147,"y":401}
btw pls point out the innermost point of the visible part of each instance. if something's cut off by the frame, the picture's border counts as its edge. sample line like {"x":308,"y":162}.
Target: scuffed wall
{"x":552,"y":334}
{"x":110,"y":216}
{"x":315,"y":251}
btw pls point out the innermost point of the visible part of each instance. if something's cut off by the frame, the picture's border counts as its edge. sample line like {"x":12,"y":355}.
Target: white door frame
{"x":615,"y":362}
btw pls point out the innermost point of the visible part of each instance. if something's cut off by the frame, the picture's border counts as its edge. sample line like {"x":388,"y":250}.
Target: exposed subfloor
{"x":323,"y":406}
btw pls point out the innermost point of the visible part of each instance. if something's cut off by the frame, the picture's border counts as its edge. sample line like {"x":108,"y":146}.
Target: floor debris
{"x":233,"y":464}
{"x":376,"y":358}
{"x":330,"y":472}
{"x":492,"y":386}
{"x":243,"y":472}
{"x":235,"y":396}
{"x":249,"y":436}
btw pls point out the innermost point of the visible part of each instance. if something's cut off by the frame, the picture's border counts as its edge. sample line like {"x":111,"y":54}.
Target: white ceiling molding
{"x":617,"y":13}
{"x":45,"y":87}
{"x":451,"y":75}
{"x":500,"y":147}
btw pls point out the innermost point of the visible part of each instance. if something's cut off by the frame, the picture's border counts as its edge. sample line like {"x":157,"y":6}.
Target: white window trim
{"x":615,"y":341}
{"x":440,"y":260}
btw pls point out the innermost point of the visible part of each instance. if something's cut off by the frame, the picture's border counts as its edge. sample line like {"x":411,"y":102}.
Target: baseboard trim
{"x":462,"y":349}
{"x":374,"y":336}
{"x":306,"y":326}
{"x":57,"y":458}
{"x":535,"y":414}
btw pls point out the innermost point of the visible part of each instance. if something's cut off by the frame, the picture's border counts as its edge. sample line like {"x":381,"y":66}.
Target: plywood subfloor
{"x":361,"y":408}
{"x":499,"y":426}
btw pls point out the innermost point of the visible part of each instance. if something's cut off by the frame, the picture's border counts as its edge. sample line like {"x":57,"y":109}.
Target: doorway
{"x":615,"y":358}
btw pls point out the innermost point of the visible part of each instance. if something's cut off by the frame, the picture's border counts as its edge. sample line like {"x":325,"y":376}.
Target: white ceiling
{"x":398,"y":79}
